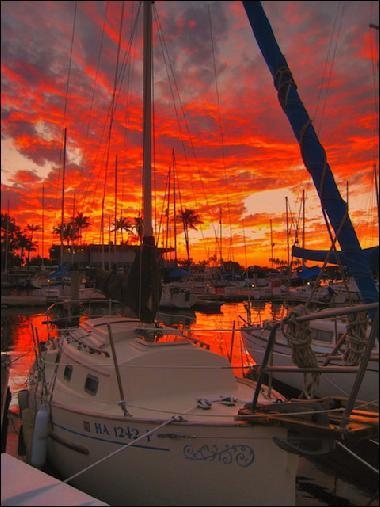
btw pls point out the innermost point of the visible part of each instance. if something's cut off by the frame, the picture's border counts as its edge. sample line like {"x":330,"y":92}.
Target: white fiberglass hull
{"x":179,"y":464}
{"x":330,"y":384}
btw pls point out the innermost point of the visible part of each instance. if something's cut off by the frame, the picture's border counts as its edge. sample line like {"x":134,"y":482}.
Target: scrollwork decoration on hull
{"x":241,"y":455}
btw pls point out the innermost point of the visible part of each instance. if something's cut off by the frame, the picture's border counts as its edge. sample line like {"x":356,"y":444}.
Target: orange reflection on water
{"x":18,"y":338}
{"x":221,"y":330}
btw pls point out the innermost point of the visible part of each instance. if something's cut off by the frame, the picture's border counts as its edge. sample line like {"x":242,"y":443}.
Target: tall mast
{"x":144,"y":279}
{"x":303,"y":222}
{"x":175,"y":209}
{"x":147,"y":124}
{"x":220,"y":238}
{"x":115,"y":210}
{"x":63,"y":197}
{"x":287,"y":232}
{"x":271,"y":242}
{"x":6,"y":240}
{"x":43,"y":227}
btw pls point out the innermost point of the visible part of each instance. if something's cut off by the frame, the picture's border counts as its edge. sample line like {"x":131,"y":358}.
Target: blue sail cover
{"x":309,"y":273}
{"x":332,"y":257}
{"x":313,"y":154}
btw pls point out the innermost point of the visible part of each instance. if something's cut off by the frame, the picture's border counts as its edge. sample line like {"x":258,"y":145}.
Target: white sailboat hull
{"x":180,"y":464}
{"x":199,"y":450}
{"x":330,"y":384}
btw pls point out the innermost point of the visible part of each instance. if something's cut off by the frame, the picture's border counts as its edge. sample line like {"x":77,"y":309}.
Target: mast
{"x":175,"y":180}
{"x":6,"y":240}
{"x":115,"y":210}
{"x":144,"y":280}
{"x":43,"y":227}
{"x":313,"y":154}
{"x":303,"y":222}
{"x":271,"y":241}
{"x":220,"y":239}
{"x":287,"y":233}
{"x":168,"y":211}
{"x":63,"y":198}
{"x":147,"y":124}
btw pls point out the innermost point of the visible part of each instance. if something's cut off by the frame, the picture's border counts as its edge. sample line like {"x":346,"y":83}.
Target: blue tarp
{"x":59,"y":273}
{"x":309,"y":273}
{"x":176,"y":273}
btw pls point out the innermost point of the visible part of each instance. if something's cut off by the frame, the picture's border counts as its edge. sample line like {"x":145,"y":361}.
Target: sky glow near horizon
{"x":235,"y":156}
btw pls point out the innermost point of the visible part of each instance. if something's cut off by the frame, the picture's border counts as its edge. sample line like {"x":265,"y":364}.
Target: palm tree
{"x":80,"y":221}
{"x":32,"y":247}
{"x":69,"y":232}
{"x":123,"y":224}
{"x":189,"y":219}
{"x":23,"y":243}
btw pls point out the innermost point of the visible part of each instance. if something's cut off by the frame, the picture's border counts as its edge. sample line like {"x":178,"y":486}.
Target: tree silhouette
{"x":189,"y":219}
{"x":123,"y":224}
{"x":32,"y":247}
{"x":80,"y":221}
{"x":69,"y":232}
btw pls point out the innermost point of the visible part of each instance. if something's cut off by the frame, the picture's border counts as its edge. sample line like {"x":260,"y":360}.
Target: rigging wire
{"x":113,"y":105}
{"x":184,"y":130}
{"x":326,"y":75}
{"x":118,"y":80}
{"x":62,"y":152}
{"x":221,"y":131}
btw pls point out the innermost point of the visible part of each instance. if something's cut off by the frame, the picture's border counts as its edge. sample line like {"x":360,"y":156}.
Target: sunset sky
{"x":236,"y":160}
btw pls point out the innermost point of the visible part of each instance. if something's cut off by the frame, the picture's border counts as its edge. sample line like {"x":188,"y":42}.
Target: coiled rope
{"x":298,"y":335}
{"x":356,"y":338}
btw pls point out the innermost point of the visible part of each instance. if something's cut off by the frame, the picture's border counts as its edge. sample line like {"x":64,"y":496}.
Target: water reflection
{"x":220,"y":331}
{"x":18,"y":339}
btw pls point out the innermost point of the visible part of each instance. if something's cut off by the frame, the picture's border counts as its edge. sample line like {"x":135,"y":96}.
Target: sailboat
{"x":136,"y":413}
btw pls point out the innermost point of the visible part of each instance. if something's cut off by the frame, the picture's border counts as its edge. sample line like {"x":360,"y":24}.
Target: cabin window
{"x":67,"y":372}
{"x":91,"y":384}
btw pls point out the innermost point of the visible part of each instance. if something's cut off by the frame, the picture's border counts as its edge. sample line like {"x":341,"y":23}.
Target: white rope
{"x":122,"y":448}
{"x":359,"y":458}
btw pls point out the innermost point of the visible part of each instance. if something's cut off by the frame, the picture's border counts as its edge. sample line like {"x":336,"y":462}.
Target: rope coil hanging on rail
{"x":298,"y":335}
{"x":356,"y":337}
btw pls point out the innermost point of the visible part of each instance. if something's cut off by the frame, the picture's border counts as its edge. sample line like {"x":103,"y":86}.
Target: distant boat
{"x":175,"y":296}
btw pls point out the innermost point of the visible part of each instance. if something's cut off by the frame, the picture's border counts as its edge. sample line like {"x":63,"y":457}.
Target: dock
{"x":22,"y":484}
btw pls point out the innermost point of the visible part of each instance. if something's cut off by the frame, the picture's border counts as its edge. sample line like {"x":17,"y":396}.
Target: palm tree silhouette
{"x":32,"y":246}
{"x":80,"y":221}
{"x":123,"y":224}
{"x":189,"y":219}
